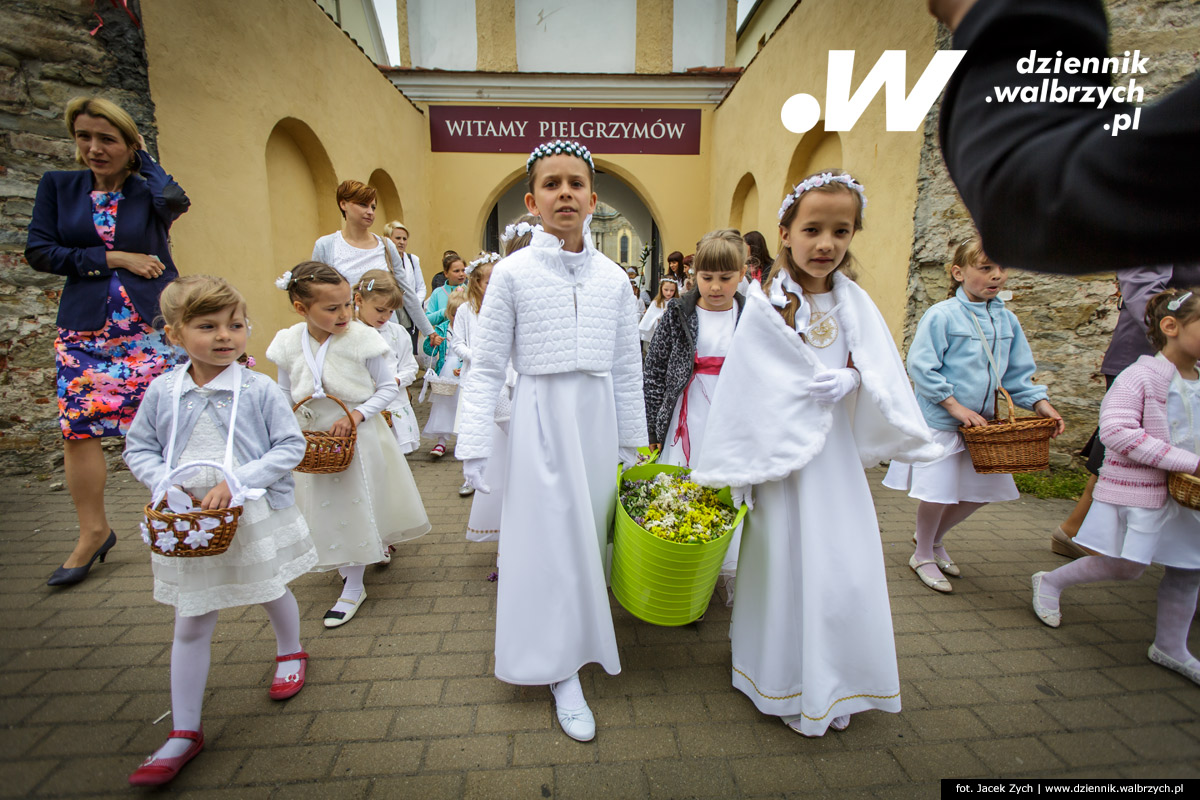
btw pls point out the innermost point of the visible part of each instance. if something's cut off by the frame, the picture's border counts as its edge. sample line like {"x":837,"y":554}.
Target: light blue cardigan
{"x":947,"y":359}
{"x":268,"y":442}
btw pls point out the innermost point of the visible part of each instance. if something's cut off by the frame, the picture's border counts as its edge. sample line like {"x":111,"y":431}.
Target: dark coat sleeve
{"x":1047,"y":185}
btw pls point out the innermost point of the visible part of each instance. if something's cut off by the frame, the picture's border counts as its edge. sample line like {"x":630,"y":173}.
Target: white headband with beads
{"x":559,"y":147}
{"x":824,"y":179}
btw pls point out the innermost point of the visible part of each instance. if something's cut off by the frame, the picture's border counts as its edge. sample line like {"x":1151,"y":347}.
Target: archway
{"x":387,"y":200}
{"x":301,"y":185}
{"x":622,"y":212}
{"x":818,"y":149}
{"x":743,"y":211}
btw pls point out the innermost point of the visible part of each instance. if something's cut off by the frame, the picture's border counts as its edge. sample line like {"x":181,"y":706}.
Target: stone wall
{"x":48,"y":56}
{"x":1068,"y":320}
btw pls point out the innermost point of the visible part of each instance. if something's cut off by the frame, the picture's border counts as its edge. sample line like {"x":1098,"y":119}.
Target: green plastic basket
{"x":661,"y":582}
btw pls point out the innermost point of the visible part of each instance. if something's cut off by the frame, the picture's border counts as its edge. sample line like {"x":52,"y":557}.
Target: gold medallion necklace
{"x":822,"y":326}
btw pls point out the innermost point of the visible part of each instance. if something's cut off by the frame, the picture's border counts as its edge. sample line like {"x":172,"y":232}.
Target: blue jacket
{"x":63,"y":240}
{"x":947,"y":359}
{"x":268,"y":442}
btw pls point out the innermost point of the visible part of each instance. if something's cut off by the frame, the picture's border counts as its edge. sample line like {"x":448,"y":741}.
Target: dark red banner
{"x":519,"y":129}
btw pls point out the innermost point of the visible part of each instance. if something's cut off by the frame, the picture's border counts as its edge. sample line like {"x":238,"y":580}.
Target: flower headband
{"x":824,"y":179}
{"x":559,"y":147}
{"x":670,"y":280}
{"x":519,"y":229}
{"x":486,"y":258}
{"x":1173,"y":305}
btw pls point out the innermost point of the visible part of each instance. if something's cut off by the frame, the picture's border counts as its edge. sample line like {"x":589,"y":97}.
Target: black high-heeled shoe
{"x":67,"y":576}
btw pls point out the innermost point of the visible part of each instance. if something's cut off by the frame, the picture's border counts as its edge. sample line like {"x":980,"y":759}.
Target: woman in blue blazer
{"x":105,"y":229}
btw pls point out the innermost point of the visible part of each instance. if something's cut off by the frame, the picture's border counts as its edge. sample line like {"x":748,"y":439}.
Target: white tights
{"x":191,"y":653}
{"x":1176,"y":595}
{"x":934,"y":520}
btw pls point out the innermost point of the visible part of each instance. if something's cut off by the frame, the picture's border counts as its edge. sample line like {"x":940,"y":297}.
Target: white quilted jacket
{"x":551,"y":320}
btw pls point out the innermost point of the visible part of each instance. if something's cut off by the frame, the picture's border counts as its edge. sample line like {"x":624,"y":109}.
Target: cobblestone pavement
{"x":401,"y":702}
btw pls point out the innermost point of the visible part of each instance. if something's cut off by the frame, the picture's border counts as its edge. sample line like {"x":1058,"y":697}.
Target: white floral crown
{"x":670,"y":280}
{"x":559,"y":147}
{"x":486,"y":258}
{"x":824,"y":179}
{"x":517,"y":229}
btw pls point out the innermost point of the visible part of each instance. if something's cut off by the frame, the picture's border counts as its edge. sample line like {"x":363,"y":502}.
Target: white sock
{"x":284,"y":614}
{"x":190,"y":656}
{"x":840,"y":723}
{"x":353,"y":589}
{"x":569,"y":693}
{"x":442,"y":441}
{"x":1089,"y":569}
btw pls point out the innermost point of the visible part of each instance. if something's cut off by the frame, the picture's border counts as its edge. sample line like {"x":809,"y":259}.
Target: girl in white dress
{"x":812,"y":627}
{"x":212,"y":409}
{"x":1150,"y":425}
{"x":462,"y":331}
{"x":964,"y":346}
{"x":354,"y":514}
{"x":484,"y":522}
{"x":667,"y":288}
{"x":561,"y":311}
{"x":377,"y":297}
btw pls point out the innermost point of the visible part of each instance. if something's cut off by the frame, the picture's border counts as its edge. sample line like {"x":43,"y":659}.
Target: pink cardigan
{"x":1133,"y":427}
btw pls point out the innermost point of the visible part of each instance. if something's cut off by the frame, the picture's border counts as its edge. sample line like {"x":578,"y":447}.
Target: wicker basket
{"x":445,"y":388}
{"x":222,"y":534}
{"x":1015,"y":445}
{"x":1185,"y":489}
{"x":326,"y":453}
{"x":158,"y":513}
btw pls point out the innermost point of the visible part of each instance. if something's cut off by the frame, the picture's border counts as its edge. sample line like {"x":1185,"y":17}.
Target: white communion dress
{"x":812,"y":626}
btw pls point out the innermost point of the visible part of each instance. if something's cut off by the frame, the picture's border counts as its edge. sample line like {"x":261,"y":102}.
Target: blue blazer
{"x":63,"y":240}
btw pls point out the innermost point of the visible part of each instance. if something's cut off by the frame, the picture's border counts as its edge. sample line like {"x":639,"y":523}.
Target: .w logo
{"x":801,"y":112}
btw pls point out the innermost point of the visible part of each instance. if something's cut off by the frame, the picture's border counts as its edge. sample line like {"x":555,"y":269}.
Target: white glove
{"x":628,"y":456}
{"x":831,"y":385}
{"x":473,"y":469}
{"x":742,"y":494}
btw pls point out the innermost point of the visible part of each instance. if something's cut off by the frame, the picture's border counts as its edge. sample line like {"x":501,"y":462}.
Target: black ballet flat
{"x":68,"y":576}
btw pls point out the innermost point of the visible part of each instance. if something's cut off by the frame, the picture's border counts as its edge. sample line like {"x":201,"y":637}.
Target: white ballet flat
{"x":937,"y":584}
{"x":1190,"y":670}
{"x":944,"y":564}
{"x":578,"y":723}
{"x":1050,"y":616}
{"x":334,"y":619}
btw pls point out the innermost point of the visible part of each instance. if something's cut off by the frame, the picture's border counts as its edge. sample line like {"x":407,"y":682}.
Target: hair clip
{"x":519,"y":229}
{"x":1173,"y":305}
{"x":284,"y":281}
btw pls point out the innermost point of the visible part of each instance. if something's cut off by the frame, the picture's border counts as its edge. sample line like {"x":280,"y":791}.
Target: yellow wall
{"x":226,"y":75}
{"x":766,"y":18}
{"x":747,"y":124}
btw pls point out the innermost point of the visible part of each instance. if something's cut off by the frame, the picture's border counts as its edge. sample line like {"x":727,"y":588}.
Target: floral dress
{"x":103,"y":374}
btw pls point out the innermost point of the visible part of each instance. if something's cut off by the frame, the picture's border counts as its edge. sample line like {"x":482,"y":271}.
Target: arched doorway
{"x":622,"y":226}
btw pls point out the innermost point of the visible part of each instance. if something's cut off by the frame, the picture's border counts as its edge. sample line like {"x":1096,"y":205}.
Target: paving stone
{"x":944,"y":760}
{"x":467,"y":752}
{"x":286,"y":764}
{"x":861,"y":768}
{"x":587,"y":781}
{"x":516,"y":784}
{"x":688,"y":778}
{"x":1020,"y":756}
{"x":773,"y":774}
{"x":552,"y":747}
{"x":1090,"y":749}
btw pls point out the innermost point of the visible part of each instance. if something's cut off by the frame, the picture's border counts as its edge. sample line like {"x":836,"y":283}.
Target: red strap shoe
{"x":157,"y":771}
{"x":283,"y":688}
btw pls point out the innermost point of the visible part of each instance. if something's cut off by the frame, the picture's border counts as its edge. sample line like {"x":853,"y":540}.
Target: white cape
{"x":766,"y":433}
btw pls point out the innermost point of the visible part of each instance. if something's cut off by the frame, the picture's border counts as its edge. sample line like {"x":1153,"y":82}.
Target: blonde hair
{"x":1157,"y":310}
{"x":193,"y":296}
{"x":968,"y":254}
{"x":659,"y":300}
{"x":457,"y":299}
{"x":517,"y":242}
{"x":783,"y":261}
{"x":720,"y":251}
{"x":378,"y":284}
{"x":391,"y":226}
{"x":475,"y":287}
{"x":104,"y":109}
